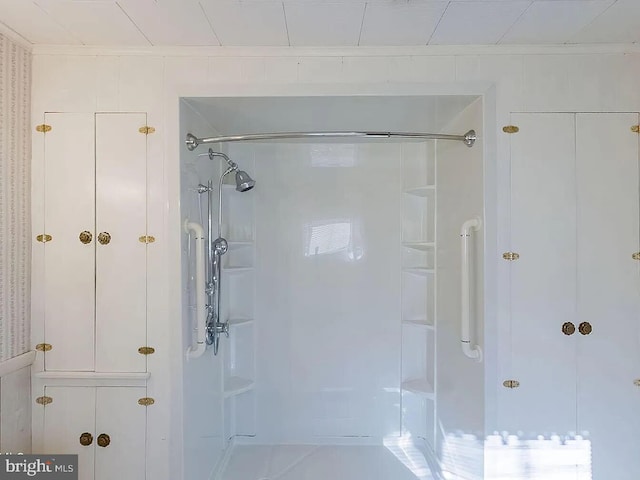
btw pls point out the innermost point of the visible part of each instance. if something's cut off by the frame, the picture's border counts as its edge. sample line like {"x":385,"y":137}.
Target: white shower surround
{"x":208,"y":463}
{"x":324,"y":347}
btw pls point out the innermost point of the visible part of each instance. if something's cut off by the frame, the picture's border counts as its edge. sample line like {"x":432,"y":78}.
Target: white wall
{"x":512,"y":79}
{"x":15,"y":411}
{"x":460,"y":380}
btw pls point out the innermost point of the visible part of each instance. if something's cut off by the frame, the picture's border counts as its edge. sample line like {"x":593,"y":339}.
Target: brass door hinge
{"x":635,"y":129}
{"x":146,"y":130}
{"x":510,"y":129}
{"x":146,"y":401}
{"x":636,"y":256}
{"x":511,"y":383}
{"x":511,"y":256}
{"x":44,"y":238}
{"x":636,"y":382}
{"x":147,"y":239}
{"x":44,"y":128}
{"x":43,"y":347}
{"x":146,"y":350}
{"x":44,"y":400}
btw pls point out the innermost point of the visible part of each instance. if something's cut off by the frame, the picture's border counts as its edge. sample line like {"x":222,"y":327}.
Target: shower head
{"x":244,"y":182}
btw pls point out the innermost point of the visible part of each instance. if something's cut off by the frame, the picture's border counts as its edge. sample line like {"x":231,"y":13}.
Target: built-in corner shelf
{"x":236,"y":385}
{"x":418,"y":323}
{"x":237,"y":269}
{"x":236,"y":322}
{"x":423,"y":272}
{"x":236,"y":245}
{"x":422,"y":246}
{"x":421,"y":191}
{"x":419,"y":386}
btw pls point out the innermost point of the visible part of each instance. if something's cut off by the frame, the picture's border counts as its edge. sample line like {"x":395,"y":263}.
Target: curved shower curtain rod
{"x":192,"y":141}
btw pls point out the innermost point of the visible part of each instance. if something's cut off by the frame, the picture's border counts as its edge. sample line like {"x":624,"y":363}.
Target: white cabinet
{"x":92,"y":232}
{"x":104,"y":426}
{"x":608,"y":293}
{"x":575,"y":225}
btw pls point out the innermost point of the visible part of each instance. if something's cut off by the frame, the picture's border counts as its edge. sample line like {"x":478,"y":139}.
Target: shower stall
{"x":332,"y":291}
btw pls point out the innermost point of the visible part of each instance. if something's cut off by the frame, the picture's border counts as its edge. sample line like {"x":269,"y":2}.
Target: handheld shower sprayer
{"x":216,"y":248}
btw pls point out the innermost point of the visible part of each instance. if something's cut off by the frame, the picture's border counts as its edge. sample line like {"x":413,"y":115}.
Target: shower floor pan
{"x":324,"y":462}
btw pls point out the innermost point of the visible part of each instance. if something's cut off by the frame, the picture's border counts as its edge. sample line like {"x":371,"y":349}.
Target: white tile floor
{"x":326,"y":462}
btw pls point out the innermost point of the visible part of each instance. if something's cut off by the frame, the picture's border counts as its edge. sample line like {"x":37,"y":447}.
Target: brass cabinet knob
{"x":104,"y":238}
{"x":585,"y":328}
{"x":85,"y":237}
{"x":103,"y":440}
{"x":86,"y":439}
{"x":568,"y":328}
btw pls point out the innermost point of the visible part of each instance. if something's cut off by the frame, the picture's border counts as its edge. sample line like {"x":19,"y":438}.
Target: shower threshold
{"x":325,"y":462}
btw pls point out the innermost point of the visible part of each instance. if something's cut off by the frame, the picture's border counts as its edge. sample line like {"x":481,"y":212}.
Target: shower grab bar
{"x":474,"y":352}
{"x":197,"y":349}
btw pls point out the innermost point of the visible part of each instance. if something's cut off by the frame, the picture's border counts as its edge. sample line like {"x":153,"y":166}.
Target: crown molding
{"x":427,"y":50}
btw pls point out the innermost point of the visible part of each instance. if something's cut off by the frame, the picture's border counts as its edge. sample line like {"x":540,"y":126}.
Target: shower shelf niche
{"x":238,"y":306}
{"x":419,"y":271}
{"x":236,"y":386}
{"x":419,"y":322}
{"x":232,"y":270}
{"x":420,"y":246}
{"x":419,"y":386}
{"x":421,"y":191}
{"x":418,"y":281}
{"x":236,"y":322}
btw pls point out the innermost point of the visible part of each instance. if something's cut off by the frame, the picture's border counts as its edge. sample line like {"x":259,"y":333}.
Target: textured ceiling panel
{"x":94,"y":22}
{"x":323,"y":23}
{"x":477,"y":22}
{"x":247,"y":23}
{"x":400,"y":23}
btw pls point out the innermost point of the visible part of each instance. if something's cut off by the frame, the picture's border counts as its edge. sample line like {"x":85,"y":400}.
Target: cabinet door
{"x":121,"y":211}
{"x":68,"y":268}
{"x":71,"y":414}
{"x":543,"y":282}
{"x":119,"y":415}
{"x":608,"y":293}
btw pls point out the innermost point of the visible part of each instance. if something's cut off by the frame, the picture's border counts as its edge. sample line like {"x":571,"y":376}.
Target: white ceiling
{"x":234,"y":116}
{"x":321,"y":22}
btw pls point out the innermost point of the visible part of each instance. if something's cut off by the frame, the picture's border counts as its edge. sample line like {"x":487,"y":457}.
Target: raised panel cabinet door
{"x":121,"y":264}
{"x":608,"y":294}
{"x":542,"y":290}
{"x":123,"y":420}
{"x":68,"y":268}
{"x":66,"y":418}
